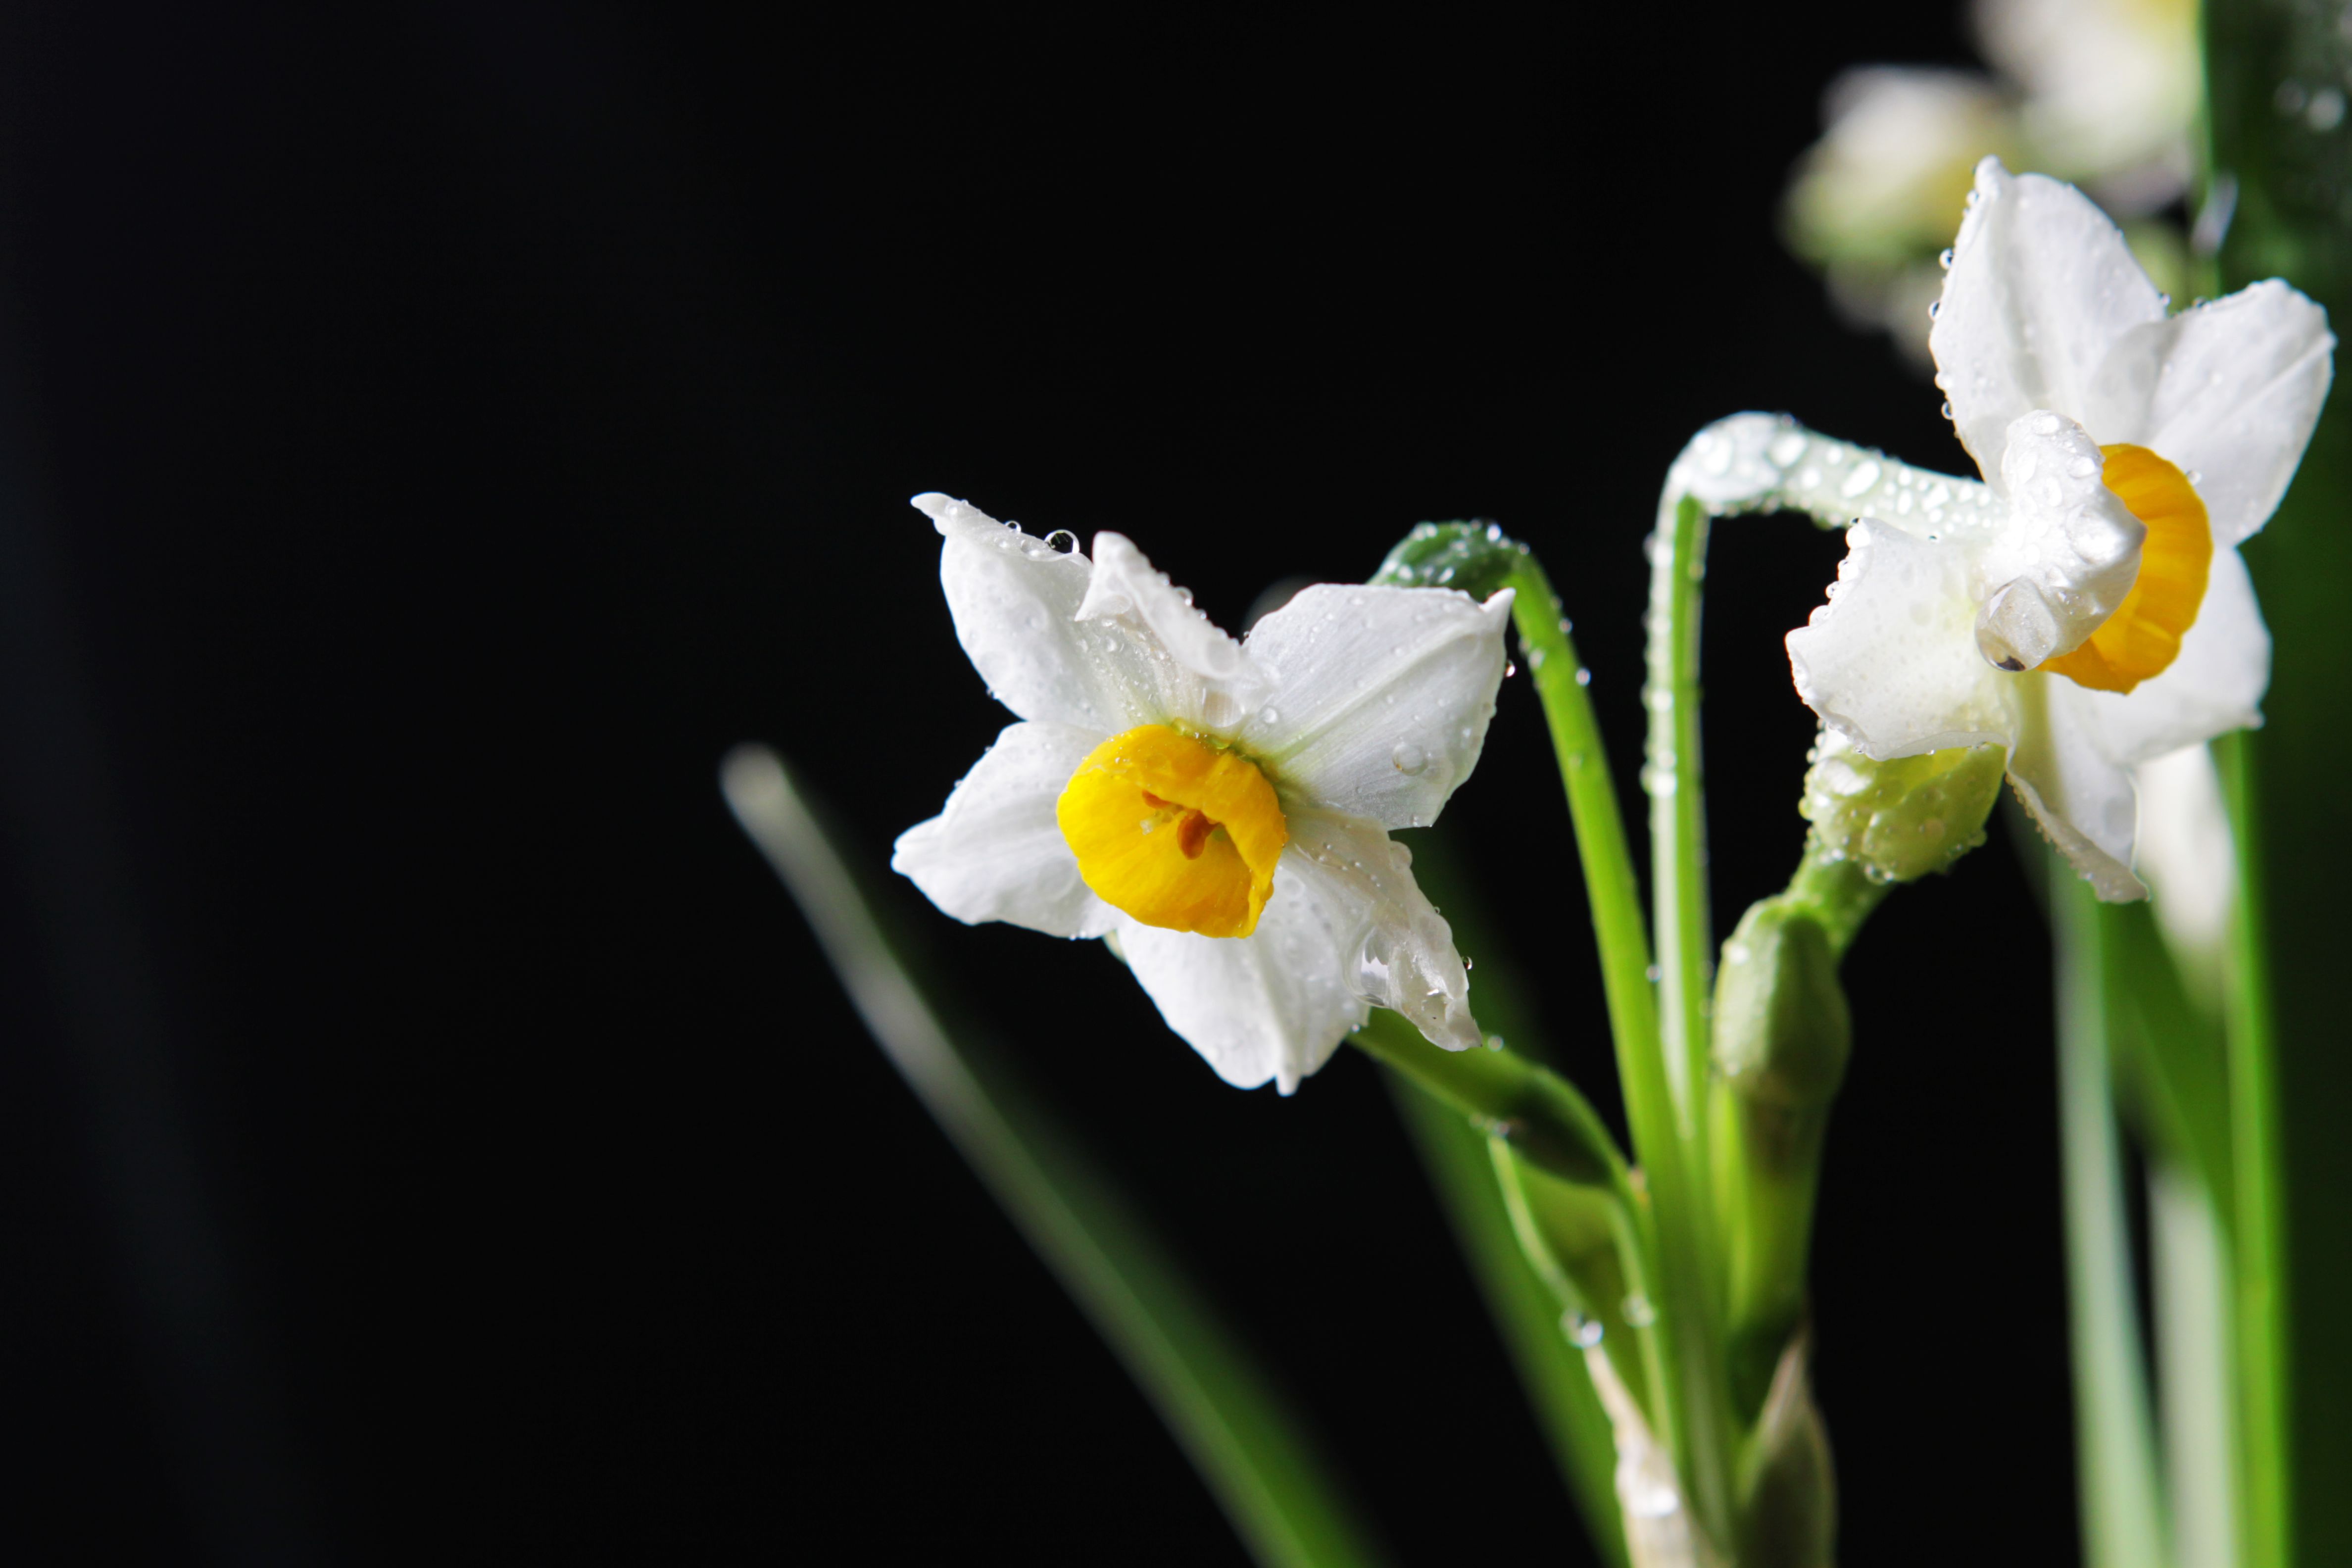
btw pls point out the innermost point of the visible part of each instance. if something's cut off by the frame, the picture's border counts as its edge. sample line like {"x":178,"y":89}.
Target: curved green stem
{"x":1689,"y":1260}
{"x":1533,"y":1109}
{"x":1480,"y":559}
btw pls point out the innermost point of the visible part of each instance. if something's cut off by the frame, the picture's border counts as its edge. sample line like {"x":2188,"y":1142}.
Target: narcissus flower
{"x":1221,"y":809}
{"x":2102,"y":617}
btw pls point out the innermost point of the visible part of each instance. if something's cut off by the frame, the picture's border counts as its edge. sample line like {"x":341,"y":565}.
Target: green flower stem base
{"x":1534,"y":1110}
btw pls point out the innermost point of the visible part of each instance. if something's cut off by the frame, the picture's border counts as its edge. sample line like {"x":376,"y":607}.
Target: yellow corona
{"x":1175,"y":831}
{"x":2142,"y":638}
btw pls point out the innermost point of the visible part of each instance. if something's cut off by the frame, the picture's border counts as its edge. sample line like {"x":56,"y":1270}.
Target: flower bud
{"x":1901,"y":819}
{"x":1782,"y":1032}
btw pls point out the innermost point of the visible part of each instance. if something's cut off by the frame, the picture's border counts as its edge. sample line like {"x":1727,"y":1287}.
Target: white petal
{"x":995,"y":853}
{"x":2229,"y":391}
{"x":2067,"y":534}
{"x":1347,"y":926}
{"x":1891,"y":661}
{"x":1016,"y":602}
{"x":2042,"y":287}
{"x":1380,"y":697}
{"x":1404,"y":958}
{"x":1200,"y":675}
{"x":2214,"y":687}
{"x":2083,"y":800}
{"x":1272,"y":1006}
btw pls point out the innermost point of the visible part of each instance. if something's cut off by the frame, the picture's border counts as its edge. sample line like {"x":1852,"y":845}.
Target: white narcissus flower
{"x":1219,"y":808}
{"x":2102,"y":618}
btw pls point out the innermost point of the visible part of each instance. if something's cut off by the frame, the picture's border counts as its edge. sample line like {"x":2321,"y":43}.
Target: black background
{"x":425,"y":1129}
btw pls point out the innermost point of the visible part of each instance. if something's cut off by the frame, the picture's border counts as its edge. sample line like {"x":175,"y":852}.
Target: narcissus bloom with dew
{"x":2102,"y":618}
{"x":1219,"y":808}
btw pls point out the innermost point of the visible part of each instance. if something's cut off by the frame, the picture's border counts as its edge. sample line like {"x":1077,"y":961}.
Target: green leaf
{"x":1273,"y":1487}
{"x":2123,"y":1514}
{"x":2276,"y":77}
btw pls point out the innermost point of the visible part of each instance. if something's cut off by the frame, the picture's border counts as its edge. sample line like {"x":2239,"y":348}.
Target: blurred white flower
{"x":1218,"y":808}
{"x":2100,"y":92}
{"x":2110,"y":90}
{"x":2101,"y":618}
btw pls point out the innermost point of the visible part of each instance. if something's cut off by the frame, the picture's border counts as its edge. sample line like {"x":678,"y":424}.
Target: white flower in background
{"x":1219,"y":808}
{"x":1896,"y":158}
{"x":2103,"y":618}
{"x":2102,"y":92}
{"x":2111,"y":88}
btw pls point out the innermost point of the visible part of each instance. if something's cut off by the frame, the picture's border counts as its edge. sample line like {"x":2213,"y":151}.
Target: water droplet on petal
{"x":1409,"y":758}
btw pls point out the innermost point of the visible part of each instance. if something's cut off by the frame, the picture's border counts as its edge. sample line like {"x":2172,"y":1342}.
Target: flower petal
{"x":2229,"y":391}
{"x":1891,"y":661}
{"x":1272,"y":1006}
{"x":1347,"y":927}
{"x":2083,"y":800}
{"x":995,"y":853}
{"x":1403,"y":958}
{"x":1199,"y":676}
{"x":1016,"y":601}
{"x":1381,"y":696}
{"x":2042,"y":287}
{"x":2214,"y":687}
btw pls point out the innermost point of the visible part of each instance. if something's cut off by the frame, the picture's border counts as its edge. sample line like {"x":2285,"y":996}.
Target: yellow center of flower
{"x":2142,"y":638}
{"x":1175,"y":831}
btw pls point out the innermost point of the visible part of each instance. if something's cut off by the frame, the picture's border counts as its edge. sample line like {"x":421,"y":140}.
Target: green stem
{"x":2123,"y":1524}
{"x":1536,"y":1110}
{"x":1480,"y":559}
{"x":1677,"y":808}
{"x":2260,"y":1320}
{"x":1837,"y":892}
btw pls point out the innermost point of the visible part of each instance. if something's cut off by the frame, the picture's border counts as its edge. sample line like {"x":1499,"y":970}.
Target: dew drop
{"x":1409,"y":758}
{"x":1581,"y":1331}
{"x":1269,"y":715}
{"x":1062,"y":542}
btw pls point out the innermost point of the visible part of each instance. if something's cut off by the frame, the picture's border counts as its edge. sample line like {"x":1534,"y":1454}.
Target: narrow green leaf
{"x":2276,"y":76}
{"x":2123,"y":1523}
{"x":1247,"y":1446}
